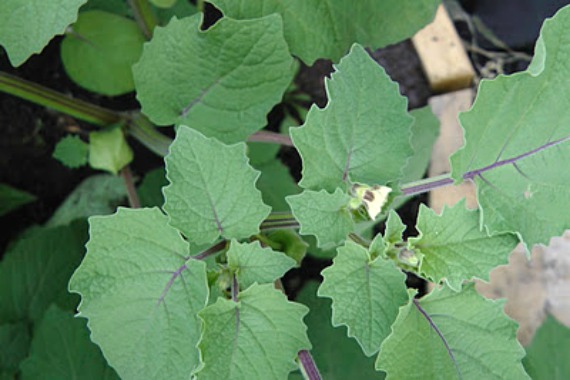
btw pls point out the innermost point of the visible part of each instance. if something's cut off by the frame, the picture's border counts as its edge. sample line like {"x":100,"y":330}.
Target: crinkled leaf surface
{"x":26,"y":26}
{"x":61,"y":349}
{"x":474,"y":339}
{"x":97,"y":195}
{"x":252,"y":263}
{"x":99,"y":53}
{"x":14,"y":345}
{"x":454,"y":247}
{"x":222,"y":81}
{"x":212,"y":189}
{"x":257,"y":337}
{"x":71,"y":151}
{"x":547,"y":356}
{"x":366,"y":294}
{"x":362,"y":135}
{"x":337,"y":356}
{"x":326,"y":28}
{"x":109,"y":151}
{"x":12,"y":198}
{"x":35,"y":270}
{"x":141,"y":294}
{"x":324,"y":215}
{"x":514,"y":115}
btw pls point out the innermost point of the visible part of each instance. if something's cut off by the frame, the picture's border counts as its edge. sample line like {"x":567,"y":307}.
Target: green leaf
{"x":141,"y":294}
{"x":61,"y":349}
{"x":337,"y":356}
{"x":212,"y":189}
{"x":252,"y":263}
{"x":512,"y":116}
{"x":118,"y":7}
{"x":324,"y":215}
{"x":150,"y":189}
{"x":35,"y":270}
{"x":366,"y":294}
{"x":547,"y":356}
{"x":425,"y":131}
{"x":363,"y":134}
{"x":26,"y":26}
{"x":261,"y":153}
{"x":163,"y":3}
{"x":97,"y":195}
{"x":71,"y":151}
{"x":326,"y":29}
{"x":449,"y":335}
{"x":180,"y":9}
{"x":14,"y":346}
{"x":290,"y":243}
{"x":275,"y":184}
{"x":394,"y":228}
{"x":222,"y":81}
{"x":100,"y":51}
{"x":454,"y":247}
{"x":257,"y":337}
{"x":12,"y":198}
{"x":108,"y":150}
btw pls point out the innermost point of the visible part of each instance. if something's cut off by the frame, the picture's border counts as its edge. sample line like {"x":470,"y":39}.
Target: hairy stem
{"x":308,"y":366}
{"x":127,"y":175}
{"x":145,"y":17}
{"x":235,"y":288}
{"x":271,"y":137}
{"x":218,"y":247}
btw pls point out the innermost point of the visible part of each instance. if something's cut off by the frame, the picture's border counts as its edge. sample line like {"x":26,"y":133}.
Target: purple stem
{"x":309,"y":365}
{"x":134,"y":201}
{"x":446,"y":181}
{"x":212,"y":250}
{"x":439,"y":333}
{"x":235,"y":288}
{"x":270,"y":137}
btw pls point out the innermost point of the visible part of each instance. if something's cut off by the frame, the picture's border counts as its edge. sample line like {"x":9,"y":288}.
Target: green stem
{"x":145,"y":16}
{"x":145,"y":132}
{"x":200,"y":5}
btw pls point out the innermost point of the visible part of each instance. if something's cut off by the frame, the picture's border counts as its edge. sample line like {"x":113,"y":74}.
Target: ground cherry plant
{"x":191,"y":288}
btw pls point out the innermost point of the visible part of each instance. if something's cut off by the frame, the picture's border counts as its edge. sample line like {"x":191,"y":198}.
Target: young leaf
{"x":108,"y":150}
{"x":366,"y":294}
{"x":316,"y":29}
{"x":517,"y":115}
{"x":99,"y":194}
{"x":26,"y":26}
{"x":547,"y":356}
{"x":142,"y":311}
{"x":451,"y":335}
{"x":100,"y":51}
{"x":289,"y":243}
{"x":12,"y":198}
{"x":394,"y":228}
{"x":222,"y":81}
{"x":252,"y":263}
{"x":454,"y":247}
{"x":324,"y":215}
{"x":14,"y":347}
{"x":363,"y":134}
{"x":257,"y":337}
{"x":35,"y":270}
{"x":337,"y":356}
{"x":71,"y":151}
{"x":212,"y":189}
{"x":61,"y":349}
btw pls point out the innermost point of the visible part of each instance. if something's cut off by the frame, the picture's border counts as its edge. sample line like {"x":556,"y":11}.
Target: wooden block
{"x":444,"y":60}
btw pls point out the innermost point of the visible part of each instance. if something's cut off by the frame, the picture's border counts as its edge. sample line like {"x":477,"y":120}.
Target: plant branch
{"x":271,"y":137}
{"x":127,"y":175}
{"x":426,"y":185}
{"x":308,"y":365}
{"x":146,"y":19}
{"x":235,"y":288}
{"x":220,"y":246}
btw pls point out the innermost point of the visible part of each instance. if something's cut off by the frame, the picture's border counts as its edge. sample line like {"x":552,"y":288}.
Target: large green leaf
{"x":257,"y":337}
{"x":99,"y":53}
{"x":337,"y":356}
{"x":222,"y":81}
{"x":425,"y":131}
{"x":547,"y":356}
{"x":366,"y":294}
{"x":362,"y":135}
{"x":252,"y":263}
{"x":326,"y":28}
{"x":12,"y":198}
{"x":276,"y":183}
{"x":141,"y":294}
{"x":109,"y":150}
{"x":97,"y":195}
{"x":35,"y":270}
{"x":14,"y":346}
{"x":454,"y":247}
{"x":515,"y":115}
{"x":61,"y":349}
{"x":449,"y":335}
{"x":324,"y":215}
{"x":212,"y":189}
{"x":26,"y":26}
